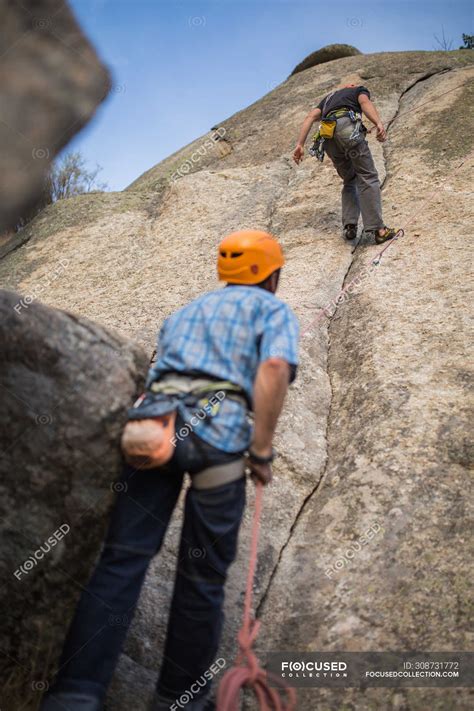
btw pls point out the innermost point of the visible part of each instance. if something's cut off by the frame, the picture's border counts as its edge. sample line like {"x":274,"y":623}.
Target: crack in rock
{"x":322,"y":478}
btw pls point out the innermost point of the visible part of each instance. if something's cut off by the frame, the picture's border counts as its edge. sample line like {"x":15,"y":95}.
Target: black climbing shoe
{"x":389,"y":233}
{"x":350,"y":232}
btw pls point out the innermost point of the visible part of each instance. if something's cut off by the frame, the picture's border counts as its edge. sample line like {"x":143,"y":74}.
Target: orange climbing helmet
{"x":248,"y":257}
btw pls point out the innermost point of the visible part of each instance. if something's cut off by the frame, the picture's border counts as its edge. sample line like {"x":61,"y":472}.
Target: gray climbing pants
{"x":354,"y":163}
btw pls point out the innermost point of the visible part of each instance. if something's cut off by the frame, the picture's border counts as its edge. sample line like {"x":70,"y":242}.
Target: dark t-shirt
{"x":341,"y":98}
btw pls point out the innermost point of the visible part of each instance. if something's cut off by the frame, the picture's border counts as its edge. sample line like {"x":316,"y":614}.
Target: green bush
{"x":326,"y":54}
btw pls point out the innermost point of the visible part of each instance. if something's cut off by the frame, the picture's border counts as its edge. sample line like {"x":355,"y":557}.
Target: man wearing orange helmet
{"x":236,"y":348}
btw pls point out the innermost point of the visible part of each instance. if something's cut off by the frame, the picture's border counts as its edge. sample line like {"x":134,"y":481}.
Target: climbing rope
{"x":247,"y":671}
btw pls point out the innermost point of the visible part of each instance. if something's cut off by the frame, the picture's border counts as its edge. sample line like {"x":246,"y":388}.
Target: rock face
{"x":65,"y":385}
{"x":374,"y":431}
{"x":325,"y":54}
{"x":50,"y":84}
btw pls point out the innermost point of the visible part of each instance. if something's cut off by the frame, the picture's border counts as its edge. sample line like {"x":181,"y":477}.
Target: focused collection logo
{"x":371,"y":669}
{"x":312,"y":668}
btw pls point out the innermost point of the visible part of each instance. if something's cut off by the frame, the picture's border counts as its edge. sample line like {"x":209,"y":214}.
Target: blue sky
{"x":181,"y":66}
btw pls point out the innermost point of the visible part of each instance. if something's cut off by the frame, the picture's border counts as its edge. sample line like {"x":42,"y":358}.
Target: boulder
{"x":326,"y":54}
{"x":65,"y":386}
{"x":51,"y":83}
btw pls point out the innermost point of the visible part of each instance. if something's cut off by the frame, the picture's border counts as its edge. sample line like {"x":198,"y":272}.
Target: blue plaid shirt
{"x":226,"y":334}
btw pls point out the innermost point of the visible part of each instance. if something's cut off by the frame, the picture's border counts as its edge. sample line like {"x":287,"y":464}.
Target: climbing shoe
{"x":350,"y":232}
{"x":389,"y":233}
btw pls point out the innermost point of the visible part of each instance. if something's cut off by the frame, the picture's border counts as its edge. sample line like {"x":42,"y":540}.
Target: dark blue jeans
{"x":137,"y":527}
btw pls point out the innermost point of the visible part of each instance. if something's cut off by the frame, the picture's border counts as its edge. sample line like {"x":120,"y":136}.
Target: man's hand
{"x":298,"y":153}
{"x":381,"y":132}
{"x":369,"y":110}
{"x":259,"y":472}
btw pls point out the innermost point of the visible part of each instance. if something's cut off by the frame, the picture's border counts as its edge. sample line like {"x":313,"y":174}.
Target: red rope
{"x":247,"y":671}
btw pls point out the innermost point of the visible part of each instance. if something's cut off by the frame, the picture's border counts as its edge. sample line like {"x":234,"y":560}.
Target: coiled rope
{"x":247,"y":671}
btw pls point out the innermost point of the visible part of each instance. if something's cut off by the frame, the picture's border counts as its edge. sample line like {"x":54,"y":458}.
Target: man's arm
{"x":270,"y":387}
{"x":369,"y":110}
{"x":314,"y":115}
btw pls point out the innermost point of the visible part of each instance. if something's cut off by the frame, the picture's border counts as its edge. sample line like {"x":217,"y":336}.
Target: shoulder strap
{"x":326,"y":101}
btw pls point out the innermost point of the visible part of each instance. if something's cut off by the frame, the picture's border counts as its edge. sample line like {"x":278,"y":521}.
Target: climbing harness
{"x":329,"y":122}
{"x":328,"y":125}
{"x":355,"y":117}
{"x":247,"y":672}
{"x":219,"y":474}
{"x":179,"y":384}
{"x":149,"y":436}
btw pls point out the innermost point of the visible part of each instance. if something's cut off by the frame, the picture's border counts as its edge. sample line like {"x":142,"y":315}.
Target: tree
{"x":468,"y":41}
{"x":69,"y":177}
{"x":443,"y":42}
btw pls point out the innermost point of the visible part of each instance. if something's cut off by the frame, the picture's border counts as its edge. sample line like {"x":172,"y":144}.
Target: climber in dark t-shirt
{"x":349,"y":151}
{"x":346,"y":97}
